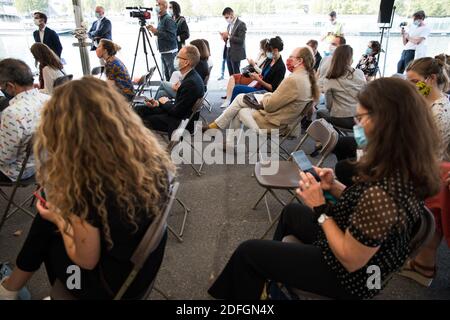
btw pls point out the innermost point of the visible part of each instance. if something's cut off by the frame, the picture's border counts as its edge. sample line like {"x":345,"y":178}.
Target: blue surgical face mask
{"x":416,"y":23}
{"x":269,"y":55}
{"x":360,"y":136}
{"x":176,"y":64}
{"x":157,"y":9}
{"x":98,"y":15}
{"x":369,"y":51}
{"x":170,"y":12}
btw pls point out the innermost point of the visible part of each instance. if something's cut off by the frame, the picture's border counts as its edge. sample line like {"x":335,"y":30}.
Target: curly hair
{"x":45,"y":56}
{"x":92,"y":148}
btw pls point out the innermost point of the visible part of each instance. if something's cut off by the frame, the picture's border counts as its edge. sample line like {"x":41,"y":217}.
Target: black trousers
{"x":44,"y":244}
{"x":407,"y":57}
{"x":300,"y":266}
{"x":346,"y":123}
{"x":345,"y":152}
{"x":234,"y":67}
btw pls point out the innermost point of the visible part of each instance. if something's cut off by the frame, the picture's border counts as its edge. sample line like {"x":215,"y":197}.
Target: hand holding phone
{"x":40,"y":195}
{"x":304,"y":164}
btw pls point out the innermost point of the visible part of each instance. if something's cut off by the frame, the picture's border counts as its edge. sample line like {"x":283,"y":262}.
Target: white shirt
{"x":99,"y":21}
{"x":50,"y":75}
{"x":418,"y":32}
{"x":41,"y":34}
{"x":230,"y":31}
{"x":18,"y":124}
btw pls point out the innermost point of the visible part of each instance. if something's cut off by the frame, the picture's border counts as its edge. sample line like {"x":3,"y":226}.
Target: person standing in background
{"x":101,"y":29}
{"x":182,"y":26}
{"x":314,"y":45}
{"x":46,"y":35}
{"x":235,"y":41}
{"x":334,"y":29}
{"x":167,"y":38}
{"x":414,"y":41}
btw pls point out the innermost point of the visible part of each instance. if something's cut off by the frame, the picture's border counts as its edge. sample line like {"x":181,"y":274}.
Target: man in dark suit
{"x":46,"y":35}
{"x":235,"y":41}
{"x":101,"y":29}
{"x":166,"y":115}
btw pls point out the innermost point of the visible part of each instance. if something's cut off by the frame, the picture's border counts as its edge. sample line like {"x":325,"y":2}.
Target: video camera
{"x":141,"y":13}
{"x":403,"y":24}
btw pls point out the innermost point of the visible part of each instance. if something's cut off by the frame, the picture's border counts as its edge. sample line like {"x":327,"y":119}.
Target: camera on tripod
{"x":141,"y":13}
{"x":403,"y":24}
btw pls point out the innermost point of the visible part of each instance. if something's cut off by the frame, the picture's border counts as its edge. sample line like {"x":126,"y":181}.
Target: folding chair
{"x":423,"y":233}
{"x":144,"y":82}
{"x":98,"y":71}
{"x":62,"y":80}
{"x":287,"y":177}
{"x":146,"y":247}
{"x":207,"y":103}
{"x":20,"y":183}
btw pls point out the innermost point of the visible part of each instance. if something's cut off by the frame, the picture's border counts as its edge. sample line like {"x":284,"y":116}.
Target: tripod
{"x":388,"y":35}
{"x":146,"y":42}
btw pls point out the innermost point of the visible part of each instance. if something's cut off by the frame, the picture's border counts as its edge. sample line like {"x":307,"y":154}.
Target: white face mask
{"x":230,"y":20}
{"x":37,"y":22}
{"x":332,"y":49}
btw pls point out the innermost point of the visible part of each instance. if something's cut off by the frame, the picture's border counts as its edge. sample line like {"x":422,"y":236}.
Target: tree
{"x":29,"y":6}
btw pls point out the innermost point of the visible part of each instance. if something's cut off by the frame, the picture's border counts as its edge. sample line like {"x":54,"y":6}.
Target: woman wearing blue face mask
{"x":372,"y":223}
{"x":272,"y":73}
{"x":369,"y":63}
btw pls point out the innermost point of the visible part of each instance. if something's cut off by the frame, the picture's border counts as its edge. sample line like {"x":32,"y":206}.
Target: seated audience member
{"x":116,"y":72}
{"x":280,"y":108}
{"x":210,"y":60}
{"x":97,"y":215}
{"x":369,"y":63}
{"x":169,"y":89}
{"x":430,"y":76}
{"x":50,"y":66}
{"x":166,"y":115}
{"x":341,"y":87}
{"x":241,"y":79}
{"x":272,"y":73}
{"x":314,"y":45}
{"x":338,"y":242}
{"x":325,"y":64}
{"x":19,"y":120}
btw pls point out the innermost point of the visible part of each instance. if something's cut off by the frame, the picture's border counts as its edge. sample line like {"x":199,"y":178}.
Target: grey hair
{"x":193,"y":55}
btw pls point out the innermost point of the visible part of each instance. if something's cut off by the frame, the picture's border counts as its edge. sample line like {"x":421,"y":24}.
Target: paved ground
{"x":221,"y":218}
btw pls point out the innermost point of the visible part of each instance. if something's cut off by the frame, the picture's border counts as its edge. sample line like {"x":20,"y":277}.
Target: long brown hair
{"x":341,"y":62}
{"x":397,"y":112}
{"x":427,"y":67}
{"x":309,"y":61}
{"x":92,"y":148}
{"x":202,"y":48}
{"x":45,"y":56}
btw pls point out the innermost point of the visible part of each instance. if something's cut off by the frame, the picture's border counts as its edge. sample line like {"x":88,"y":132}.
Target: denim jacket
{"x":167,"y":34}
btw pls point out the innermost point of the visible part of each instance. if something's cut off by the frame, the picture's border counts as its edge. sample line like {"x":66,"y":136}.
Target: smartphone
{"x":304,"y":164}
{"x":40,"y":195}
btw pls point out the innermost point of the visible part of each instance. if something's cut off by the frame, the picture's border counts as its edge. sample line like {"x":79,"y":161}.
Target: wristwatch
{"x":321,"y":213}
{"x":323,"y":218}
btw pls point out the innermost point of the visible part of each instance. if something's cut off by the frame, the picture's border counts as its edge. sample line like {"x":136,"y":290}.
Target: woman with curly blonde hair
{"x":105,"y":178}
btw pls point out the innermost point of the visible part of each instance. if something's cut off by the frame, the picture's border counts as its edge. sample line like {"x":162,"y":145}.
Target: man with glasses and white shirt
{"x":19,"y":120}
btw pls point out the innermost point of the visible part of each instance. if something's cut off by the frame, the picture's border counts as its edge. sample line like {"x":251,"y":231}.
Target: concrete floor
{"x":221,"y":218}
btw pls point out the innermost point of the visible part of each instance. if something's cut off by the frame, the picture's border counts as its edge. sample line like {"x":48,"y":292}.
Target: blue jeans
{"x":242,"y":89}
{"x":165,"y":90}
{"x":167,"y":64}
{"x":407,"y":57}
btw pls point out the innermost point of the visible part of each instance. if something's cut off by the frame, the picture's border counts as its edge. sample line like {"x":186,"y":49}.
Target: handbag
{"x":252,"y":102}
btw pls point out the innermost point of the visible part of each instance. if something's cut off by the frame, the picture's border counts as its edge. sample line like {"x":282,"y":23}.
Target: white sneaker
{"x":225,"y":104}
{"x":6,"y":294}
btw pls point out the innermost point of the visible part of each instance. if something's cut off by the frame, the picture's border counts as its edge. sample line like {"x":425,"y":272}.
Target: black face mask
{"x":6,"y":94}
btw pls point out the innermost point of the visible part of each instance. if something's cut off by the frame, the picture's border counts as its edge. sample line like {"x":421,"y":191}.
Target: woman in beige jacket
{"x":280,"y":108}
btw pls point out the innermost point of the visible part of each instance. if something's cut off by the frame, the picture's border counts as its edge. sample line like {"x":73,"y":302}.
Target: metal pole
{"x":82,"y":44}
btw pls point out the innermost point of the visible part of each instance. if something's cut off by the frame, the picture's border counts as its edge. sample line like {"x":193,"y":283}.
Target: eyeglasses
{"x":358,"y":118}
{"x":182,"y":58}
